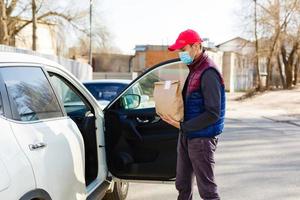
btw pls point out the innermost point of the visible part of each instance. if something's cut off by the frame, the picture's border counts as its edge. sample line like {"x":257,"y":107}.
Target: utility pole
{"x":90,"y":52}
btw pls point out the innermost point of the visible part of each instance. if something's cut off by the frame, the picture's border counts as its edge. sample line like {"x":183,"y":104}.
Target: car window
{"x":137,"y":89}
{"x":30,"y":94}
{"x":105,"y":91}
{"x":73,"y":103}
{"x":145,"y":86}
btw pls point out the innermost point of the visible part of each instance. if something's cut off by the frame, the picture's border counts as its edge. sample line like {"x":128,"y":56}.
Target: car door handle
{"x":37,"y":146}
{"x":142,"y":121}
{"x":153,"y":120}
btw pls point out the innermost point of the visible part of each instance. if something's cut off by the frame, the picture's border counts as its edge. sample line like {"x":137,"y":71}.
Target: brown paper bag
{"x":168,"y":99}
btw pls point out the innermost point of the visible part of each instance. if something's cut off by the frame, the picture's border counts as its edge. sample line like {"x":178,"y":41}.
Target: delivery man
{"x":204,"y":109}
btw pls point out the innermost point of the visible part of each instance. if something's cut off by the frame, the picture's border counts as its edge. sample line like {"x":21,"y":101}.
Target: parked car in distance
{"x":105,"y":90}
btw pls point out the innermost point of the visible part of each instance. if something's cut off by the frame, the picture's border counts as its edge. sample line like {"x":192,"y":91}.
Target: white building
{"x":238,"y":64}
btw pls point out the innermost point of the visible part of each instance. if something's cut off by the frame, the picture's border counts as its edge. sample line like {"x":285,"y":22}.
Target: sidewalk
{"x":279,"y":106}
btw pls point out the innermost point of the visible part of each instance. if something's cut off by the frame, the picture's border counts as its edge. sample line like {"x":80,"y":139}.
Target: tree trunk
{"x":269,"y":59}
{"x":296,"y":69}
{"x":281,"y":72}
{"x":4,"y":37}
{"x":289,"y":75}
{"x":288,"y":61}
{"x":287,"y":68}
{"x":258,"y":82}
{"x":34,"y":23}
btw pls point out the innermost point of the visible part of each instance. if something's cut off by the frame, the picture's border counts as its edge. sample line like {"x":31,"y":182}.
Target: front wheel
{"x":120,"y":191}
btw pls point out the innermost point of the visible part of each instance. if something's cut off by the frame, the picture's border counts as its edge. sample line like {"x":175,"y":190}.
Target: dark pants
{"x":196,"y":159}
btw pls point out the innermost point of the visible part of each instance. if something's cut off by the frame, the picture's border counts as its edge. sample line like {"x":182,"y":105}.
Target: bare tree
{"x":14,"y":17}
{"x":290,"y":43}
{"x":71,"y":20}
{"x":289,"y":63}
{"x":270,"y":22}
{"x":276,"y":40}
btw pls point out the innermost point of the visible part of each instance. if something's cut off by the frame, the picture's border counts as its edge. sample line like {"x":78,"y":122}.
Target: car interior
{"x":139,"y":144}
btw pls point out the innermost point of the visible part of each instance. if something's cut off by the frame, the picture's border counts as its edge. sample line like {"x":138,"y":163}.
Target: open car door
{"x":140,"y":145}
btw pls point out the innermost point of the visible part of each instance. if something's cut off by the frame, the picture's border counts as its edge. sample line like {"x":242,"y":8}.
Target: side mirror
{"x":131,"y":101}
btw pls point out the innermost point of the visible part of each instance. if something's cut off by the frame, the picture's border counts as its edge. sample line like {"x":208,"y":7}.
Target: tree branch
{"x":11,"y":18}
{"x":11,"y":7}
{"x":39,"y":8}
{"x":45,"y":15}
{"x":264,"y":8}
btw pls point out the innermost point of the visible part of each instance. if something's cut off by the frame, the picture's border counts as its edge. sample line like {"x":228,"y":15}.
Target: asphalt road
{"x":256,"y":159}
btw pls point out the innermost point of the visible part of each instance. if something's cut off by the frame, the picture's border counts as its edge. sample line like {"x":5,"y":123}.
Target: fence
{"x":82,"y":71}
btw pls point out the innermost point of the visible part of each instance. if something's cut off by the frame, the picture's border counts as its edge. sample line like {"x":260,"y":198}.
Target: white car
{"x":61,"y":148}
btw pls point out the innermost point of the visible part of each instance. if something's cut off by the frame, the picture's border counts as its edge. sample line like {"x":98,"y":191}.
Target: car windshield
{"x":105,"y":91}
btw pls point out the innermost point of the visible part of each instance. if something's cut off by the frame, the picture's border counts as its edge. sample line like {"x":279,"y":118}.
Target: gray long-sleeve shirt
{"x":210,"y":86}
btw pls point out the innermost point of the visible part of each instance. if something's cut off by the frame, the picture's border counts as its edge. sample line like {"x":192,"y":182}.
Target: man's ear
{"x":200,"y":47}
{"x":197,"y":45}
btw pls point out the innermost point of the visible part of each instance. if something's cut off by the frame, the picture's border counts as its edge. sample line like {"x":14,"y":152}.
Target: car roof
{"x":8,"y":57}
{"x":124,"y":81}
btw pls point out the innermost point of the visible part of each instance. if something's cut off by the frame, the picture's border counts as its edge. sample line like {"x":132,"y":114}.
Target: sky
{"x":139,"y":22}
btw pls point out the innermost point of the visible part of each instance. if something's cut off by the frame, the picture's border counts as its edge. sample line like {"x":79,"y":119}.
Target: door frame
{"x":103,"y":173}
{"x":7,"y":113}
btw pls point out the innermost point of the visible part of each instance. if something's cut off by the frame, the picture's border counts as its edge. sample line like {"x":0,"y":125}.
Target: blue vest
{"x":194,"y":102}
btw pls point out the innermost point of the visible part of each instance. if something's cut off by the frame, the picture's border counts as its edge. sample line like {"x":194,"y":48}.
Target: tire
{"x":120,"y":191}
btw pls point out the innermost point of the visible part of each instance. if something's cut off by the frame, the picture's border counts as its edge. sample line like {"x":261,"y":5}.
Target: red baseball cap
{"x":186,"y":37}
